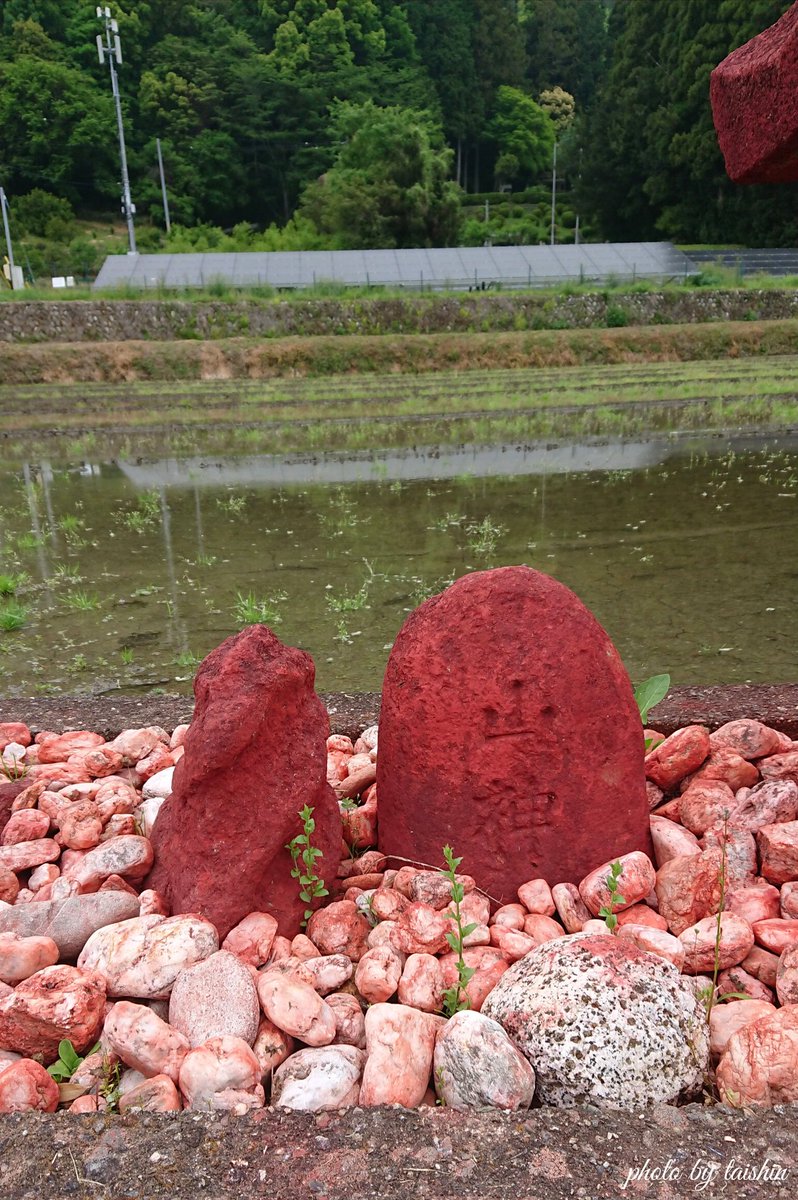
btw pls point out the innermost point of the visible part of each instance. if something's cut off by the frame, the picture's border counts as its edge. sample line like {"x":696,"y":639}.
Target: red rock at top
{"x":754,"y":94}
{"x":509,"y":730}
{"x":255,"y":754}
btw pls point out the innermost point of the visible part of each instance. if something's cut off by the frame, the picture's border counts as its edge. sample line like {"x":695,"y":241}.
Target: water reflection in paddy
{"x":687,"y":551}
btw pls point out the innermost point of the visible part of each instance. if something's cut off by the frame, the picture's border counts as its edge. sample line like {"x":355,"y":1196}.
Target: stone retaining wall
{"x":167,"y":320}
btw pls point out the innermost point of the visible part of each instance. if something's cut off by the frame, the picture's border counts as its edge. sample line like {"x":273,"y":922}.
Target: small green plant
{"x":607,"y":911}
{"x":249,"y":610}
{"x":145,"y":515}
{"x":82,"y":601}
{"x":232,"y":504}
{"x":77,"y":663}
{"x":13,"y":769}
{"x":710,"y":992}
{"x":650,"y":692}
{"x":12,"y":616}
{"x":8,"y":585}
{"x":187,"y":660}
{"x":68,"y":1061}
{"x":303,"y":856}
{"x":456,"y":998}
{"x":126,"y":654}
{"x":349,"y":602}
{"x":483,"y":535}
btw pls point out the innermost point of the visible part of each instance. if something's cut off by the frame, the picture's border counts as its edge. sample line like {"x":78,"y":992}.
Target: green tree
{"x":566,"y":44}
{"x":651,"y":165}
{"x":521,"y":129}
{"x":389,"y":185}
{"x":56,"y":130}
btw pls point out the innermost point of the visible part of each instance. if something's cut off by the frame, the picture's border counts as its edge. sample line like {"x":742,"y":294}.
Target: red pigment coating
{"x":255,"y":754}
{"x":509,"y":730}
{"x":754,"y":94}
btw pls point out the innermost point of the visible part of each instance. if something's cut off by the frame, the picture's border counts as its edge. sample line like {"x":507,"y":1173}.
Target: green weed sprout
{"x":68,"y":1061}
{"x":607,"y":911}
{"x":455,"y":998}
{"x":650,"y":692}
{"x":303,"y":856}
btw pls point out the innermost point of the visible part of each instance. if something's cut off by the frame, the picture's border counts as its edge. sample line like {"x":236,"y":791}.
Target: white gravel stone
{"x":319,"y":1079}
{"x":603,"y":1022}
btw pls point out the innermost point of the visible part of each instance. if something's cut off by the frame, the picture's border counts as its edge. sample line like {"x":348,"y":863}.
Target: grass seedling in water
{"x":303,"y":856}
{"x":455,"y":998}
{"x":249,"y":610}
{"x":482,"y":536}
{"x":82,"y":601}
{"x":607,"y":911}
{"x":12,"y":616}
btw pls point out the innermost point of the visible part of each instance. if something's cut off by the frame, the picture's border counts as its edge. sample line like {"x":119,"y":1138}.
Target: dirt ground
{"x":395,"y":1154}
{"x":352,"y":712}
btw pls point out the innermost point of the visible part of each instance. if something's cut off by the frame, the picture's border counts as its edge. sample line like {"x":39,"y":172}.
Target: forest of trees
{"x":368,"y":122}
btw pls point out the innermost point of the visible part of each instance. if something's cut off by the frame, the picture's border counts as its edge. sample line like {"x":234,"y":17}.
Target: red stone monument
{"x":754,"y":95}
{"x":255,"y":754}
{"x":509,"y":730}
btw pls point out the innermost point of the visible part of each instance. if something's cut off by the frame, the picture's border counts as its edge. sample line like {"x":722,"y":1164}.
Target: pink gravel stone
{"x":571,"y":908}
{"x":688,"y":888}
{"x":420,"y":930}
{"x":704,"y":949}
{"x":25,"y":1086}
{"x":399,"y":1046}
{"x":130,"y":856}
{"x":143,"y":1041}
{"x":82,"y":827}
{"x":477,"y":1066}
{"x":727,"y":1019}
{"x":215,"y":998}
{"x":776,"y":934}
{"x":778,"y":849}
{"x":760,"y":1063}
{"x":142,"y":957}
{"x":758,"y":902}
{"x":636,"y":880}
{"x":302,"y":947}
{"x":762,"y":964}
{"x":740,"y":852}
{"x":221,"y":1074}
{"x":703,"y":804}
{"x":642,"y":914}
{"x":41,"y":876}
{"x":21,"y":957}
{"x":378,"y":973}
{"x":748,"y":738}
{"x":421,"y":983}
{"x":329,"y":972}
{"x":24,"y":855}
{"x":510,"y":916}
{"x":780,"y":766}
{"x":725,"y":766}
{"x":513,"y":943}
{"x":387,"y":903}
{"x":296,"y":1008}
{"x":489,"y":965}
{"x":678,"y":756}
{"x":340,"y":929}
{"x":788,"y":901}
{"x":787,"y":976}
{"x":25,"y":826}
{"x":9,"y":885}
{"x":55,"y":1004}
{"x":654,"y":941}
{"x":14,"y":731}
{"x":736,"y":981}
{"x":770,"y":802}
{"x":158,"y":1094}
{"x":271,"y":1046}
{"x":252,"y":938}
{"x":320,"y":1079}
{"x":58,"y":747}
{"x":536,"y":897}
{"x":350,"y":1025}
{"x":545,"y":929}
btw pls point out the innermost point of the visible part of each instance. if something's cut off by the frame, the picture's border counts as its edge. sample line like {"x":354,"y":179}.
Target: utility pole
{"x":10,"y":248}
{"x":553,"y":192}
{"x":111,"y":49}
{"x":163,"y":187}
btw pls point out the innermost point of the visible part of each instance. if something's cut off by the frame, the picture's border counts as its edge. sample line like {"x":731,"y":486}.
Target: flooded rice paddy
{"x":122,"y":575}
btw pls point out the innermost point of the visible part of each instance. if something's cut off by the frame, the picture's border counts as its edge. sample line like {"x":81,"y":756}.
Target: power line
{"x":111,"y":49}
